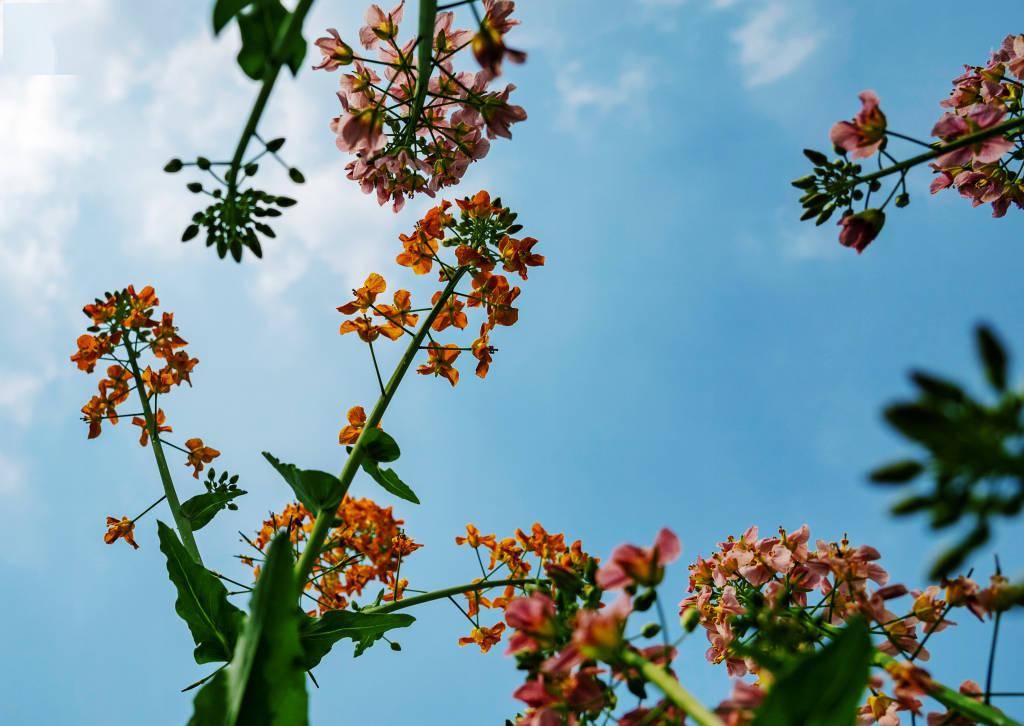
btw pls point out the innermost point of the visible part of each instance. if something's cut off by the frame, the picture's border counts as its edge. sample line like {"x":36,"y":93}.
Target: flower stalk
{"x":325,"y":519}
{"x":672,"y":689}
{"x":180,"y":521}
{"x":449,"y":592}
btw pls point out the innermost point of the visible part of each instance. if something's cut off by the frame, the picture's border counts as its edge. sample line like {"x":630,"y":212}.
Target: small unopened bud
{"x":902,"y":200}
{"x":650,"y":630}
{"x":395,"y":645}
{"x":643,"y":602}
{"x":689,"y":619}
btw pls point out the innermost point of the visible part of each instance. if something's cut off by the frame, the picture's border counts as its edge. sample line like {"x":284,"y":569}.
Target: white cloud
{"x":17,"y":394}
{"x":774,"y":43}
{"x":12,"y":479}
{"x":628,"y":89}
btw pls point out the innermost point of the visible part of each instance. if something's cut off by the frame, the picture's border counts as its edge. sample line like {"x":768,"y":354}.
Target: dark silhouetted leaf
{"x":898,"y":472}
{"x":379,"y":446}
{"x":993,"y":356}
{"x":388,"y":479}
{"x":320,"y":634}
{"x":315,"y":489}
{"x":201,"y":509}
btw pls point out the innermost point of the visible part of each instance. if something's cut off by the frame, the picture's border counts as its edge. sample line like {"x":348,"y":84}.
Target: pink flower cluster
{"x":982,"y":97}
{"x":405,"y":144}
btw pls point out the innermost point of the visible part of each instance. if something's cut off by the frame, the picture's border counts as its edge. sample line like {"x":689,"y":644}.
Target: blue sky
{"x":691,"y":355}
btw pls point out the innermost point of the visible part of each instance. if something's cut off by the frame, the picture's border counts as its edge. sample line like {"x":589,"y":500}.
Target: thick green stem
{"x":428,"y":15}
{"x":941,"y":149}
{"x":447,"y":592}
{"x":672,"y":689}
{"x":293,"y":24}
{"x":956,"y":701}
{"x":180,"y":521}
{"x":324,"y":520}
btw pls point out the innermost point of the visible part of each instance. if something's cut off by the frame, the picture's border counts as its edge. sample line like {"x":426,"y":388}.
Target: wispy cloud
{"x":582,"y":96}
{"x":773,"y":42}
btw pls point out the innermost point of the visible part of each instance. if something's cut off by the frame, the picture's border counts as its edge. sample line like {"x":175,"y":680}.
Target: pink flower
{"x":499,"y":114}
{"x":534,"y":621}
{"x":630,"y":564}
{"x":952,"y":126}
{"x":860,"y":229}
{"x":380,"y":25}
{"x":335,"y":51}
{"x":862,"y":136}
{"x":598,"y":633}
{"x":361,"y":131}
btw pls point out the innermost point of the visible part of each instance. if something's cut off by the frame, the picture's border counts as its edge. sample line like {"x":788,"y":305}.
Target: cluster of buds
{"x":753,"y":599}
{"x":365,"y":545}
{"x":481,"y":239}
{"x":236,"y":219}
{"x":419,"y":127}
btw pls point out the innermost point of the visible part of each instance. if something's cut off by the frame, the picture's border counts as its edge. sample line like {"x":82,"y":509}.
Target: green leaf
{"x":898,"y":472}
{"x":224,"y":10}
{"x":993,"y":356}
{"x":190,"y":231}
{"x":259,"y":28}
{"x":315,"y":489}
{"x":379,"y":446}
{"x":938,"y":387}
{"x":202,"y":508}
{"x":320,"y":634}
{"x":388,"y":479}
{"x":823,"y":688}
{"x":917,"y":422}
{"x":202,"y":601}
{"x":265,"y":683}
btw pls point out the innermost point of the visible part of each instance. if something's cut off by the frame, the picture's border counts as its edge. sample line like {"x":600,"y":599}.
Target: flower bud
{"x":643,"y":602}
{"x":650,"y":630}
{"x":689,"y":619}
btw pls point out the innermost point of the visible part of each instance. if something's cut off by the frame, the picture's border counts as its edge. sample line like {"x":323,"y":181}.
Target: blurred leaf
{"x":224,"y":10}
{"x":952,"y":559}
{"x":202,"y":601}
{"x":938,"y":387}
{"x":898,"y":472}
{"x":318,"y":635}
{"x":201,"y":509}
{"x":993,"y":356}
{"x":315,"y":489}
{"x":265,"y":683}
{"x":823,"y":688}
{"x":917,"y":422}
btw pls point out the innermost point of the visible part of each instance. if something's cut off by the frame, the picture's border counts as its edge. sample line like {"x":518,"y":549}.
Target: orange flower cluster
{"x":124,"y":327}
{"x":367,"y":545}
{"x":481,"y":238}
{"x":122,"y":528}
{"x":510,"y":556}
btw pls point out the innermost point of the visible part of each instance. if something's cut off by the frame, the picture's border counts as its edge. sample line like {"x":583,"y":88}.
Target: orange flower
{"x":475,"y":601}
{"x":517,"y":254}
{"x":95,"y":412}
{"x":450,"y":314}
{"x":436,"y":219}
{"x":363,"y":327}
{"x":500,"y":298}
{"x":479,"y":205}
{"x":404,"y":545}
{"x":179,"y":366}
{"x":544,"y":545}
{"x":398,"y":315}
{"x":140,"y":305}
{"x":158,"y":381}
{"x":90,"y":350}
{"x":366,"y":295}
{"x":165,"y":337}
{"x":486,"y":638}
{"x":419,"y":252}
{"x":115,"y":389}
{"x":397,"y":590}
{"x":356,"y":421}
{"x":482,"y":350}
{"x":160,"y":428}
{"x":123,"y":528}
{"x":474,"y":539}
{"x":470,"y":257}
{"x":439,"y":362}
{"x":199,"y":455}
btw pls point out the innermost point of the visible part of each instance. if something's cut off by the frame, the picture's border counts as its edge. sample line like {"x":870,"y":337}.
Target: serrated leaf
{"x":388,"y":479}
{"x":993,"y":357}
{"x":202,"y":601}
{"x":823,"y":688}
{"x":318,"y":635}
{"x":380,"y":446}
{"x":315,"y":489}
{"x":201,"y":509}
{"x":265,"y":682}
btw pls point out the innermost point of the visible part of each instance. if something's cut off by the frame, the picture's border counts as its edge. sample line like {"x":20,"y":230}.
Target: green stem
{"x":293,"y":23}
{"x":180,"y":521}
{"x":323,"y":522}
{"x":939,"y":150}
{"x":447,"y":592}
{"x":672,"y":689}
{"x":428,"y":14}
{"x":956,"y":701}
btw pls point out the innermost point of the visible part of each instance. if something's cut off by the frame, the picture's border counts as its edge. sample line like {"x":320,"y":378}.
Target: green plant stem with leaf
{"x":672,"y":689}
{"x":180,"y":520}
{"x":325,"y":519}
{"x":428,"y":15}
{"x":449,"y":592}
